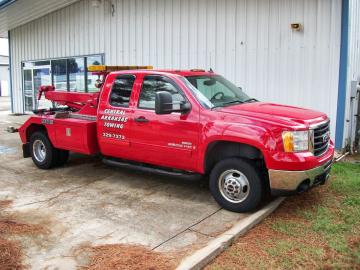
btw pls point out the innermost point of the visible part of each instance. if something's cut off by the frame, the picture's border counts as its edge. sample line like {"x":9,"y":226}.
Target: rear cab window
{"x":121,"y":90}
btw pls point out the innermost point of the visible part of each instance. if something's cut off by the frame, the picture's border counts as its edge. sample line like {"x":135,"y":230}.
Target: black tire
{"x":62,"y":157}
{"x":251,"y":189}
{"x":49,"y":152}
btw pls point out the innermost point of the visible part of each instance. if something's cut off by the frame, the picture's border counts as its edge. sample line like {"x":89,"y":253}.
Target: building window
{"x":91,"y":79}
{"x":76,"y":74}
{"x":71,"y":73}
{"x":67,"y":74}
{"x":59,"y":74}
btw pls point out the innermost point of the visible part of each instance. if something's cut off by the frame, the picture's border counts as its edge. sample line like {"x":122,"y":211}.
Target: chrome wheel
{"x":39,"y":150}
{"x":234,"y":186}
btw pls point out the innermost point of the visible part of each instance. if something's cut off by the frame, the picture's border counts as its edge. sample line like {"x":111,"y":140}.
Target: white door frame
{"x":34,"y":97}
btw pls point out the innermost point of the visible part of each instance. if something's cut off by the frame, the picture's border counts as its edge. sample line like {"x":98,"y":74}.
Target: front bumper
{"x":284,"y":183}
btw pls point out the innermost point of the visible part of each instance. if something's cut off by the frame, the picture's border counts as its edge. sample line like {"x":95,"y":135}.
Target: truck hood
{"x":276,"y":113}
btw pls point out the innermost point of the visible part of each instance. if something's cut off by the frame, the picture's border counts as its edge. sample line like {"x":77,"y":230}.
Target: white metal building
{"x":297,"y":52}
{"x":4,"y":75}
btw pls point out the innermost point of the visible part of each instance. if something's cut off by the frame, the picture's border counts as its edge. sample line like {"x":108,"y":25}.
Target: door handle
{"x":141,"y":119}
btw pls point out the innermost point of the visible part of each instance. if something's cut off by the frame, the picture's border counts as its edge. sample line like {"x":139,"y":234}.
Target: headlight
{"x":296,"y":141}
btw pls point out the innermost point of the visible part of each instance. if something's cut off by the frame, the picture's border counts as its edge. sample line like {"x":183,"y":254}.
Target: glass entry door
{"x":33,"y":78}
{"x":28,"y":90}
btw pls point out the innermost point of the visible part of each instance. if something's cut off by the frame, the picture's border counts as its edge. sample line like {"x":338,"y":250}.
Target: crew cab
{"x":185,"y":123}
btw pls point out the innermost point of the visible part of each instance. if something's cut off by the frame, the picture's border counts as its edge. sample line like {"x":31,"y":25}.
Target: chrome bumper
{"x":290,"y":181}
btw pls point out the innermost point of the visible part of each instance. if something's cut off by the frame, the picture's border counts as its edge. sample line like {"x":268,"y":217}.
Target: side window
{"x":153,"y":84}
{"x":121,"y":90}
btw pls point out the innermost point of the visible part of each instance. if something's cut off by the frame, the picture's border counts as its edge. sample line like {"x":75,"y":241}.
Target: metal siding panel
{"x":184,"y":34}
{"x":201,"y":36}
{"x":167,"y":34}
{"x":193,"y":34}
{"x":220,"y":36}
{"x":160,"y":26}
{"x":274,"y":49}
{"x":176,"y":22}
{"x":126,"y":31}
{"x":84,"y":43}
{"x":240,"y":53}
{"x":262,"y":47}
{"x":210,"y":34}
{"x":248,"y":41}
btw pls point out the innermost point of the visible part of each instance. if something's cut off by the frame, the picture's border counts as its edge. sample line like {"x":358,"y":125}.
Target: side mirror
{"x":164,"y":104}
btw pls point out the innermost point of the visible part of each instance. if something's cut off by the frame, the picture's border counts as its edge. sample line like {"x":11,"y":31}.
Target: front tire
{"x":43,"y":154}
{"x":236,"y":185}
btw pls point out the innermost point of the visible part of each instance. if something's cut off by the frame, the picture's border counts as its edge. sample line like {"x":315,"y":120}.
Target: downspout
{"x":340,"y":115}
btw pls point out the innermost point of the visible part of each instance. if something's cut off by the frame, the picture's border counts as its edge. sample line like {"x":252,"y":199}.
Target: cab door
{"x":114,"y":118}
{"x":166,"y":140}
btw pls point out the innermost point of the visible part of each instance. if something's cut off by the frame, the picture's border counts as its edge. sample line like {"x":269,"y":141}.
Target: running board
{"x":152,"y":169}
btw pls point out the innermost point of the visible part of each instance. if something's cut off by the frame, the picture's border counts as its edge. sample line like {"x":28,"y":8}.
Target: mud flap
{"x":26,"y":150}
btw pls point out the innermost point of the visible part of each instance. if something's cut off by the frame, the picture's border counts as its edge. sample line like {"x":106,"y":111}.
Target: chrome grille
{"x":321,"y":140}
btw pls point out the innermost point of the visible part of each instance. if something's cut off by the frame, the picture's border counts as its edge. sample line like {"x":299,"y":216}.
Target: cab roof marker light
{"x":197,"y":70}
{"x":103,"y":68}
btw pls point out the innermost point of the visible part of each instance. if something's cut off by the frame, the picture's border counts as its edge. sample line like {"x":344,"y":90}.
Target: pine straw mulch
{"x":259,"y":248}
{"x":11,"y":253}
{"x":124,"y":256}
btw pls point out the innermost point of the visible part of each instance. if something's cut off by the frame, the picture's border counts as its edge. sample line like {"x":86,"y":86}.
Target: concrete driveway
{"x":89,"y":203}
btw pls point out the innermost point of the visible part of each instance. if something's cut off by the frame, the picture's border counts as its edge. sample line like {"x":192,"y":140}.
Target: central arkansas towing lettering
{"x":112,"y":118}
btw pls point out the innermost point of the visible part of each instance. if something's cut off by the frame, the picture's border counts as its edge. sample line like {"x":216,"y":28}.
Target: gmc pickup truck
{"x":185,"y":123}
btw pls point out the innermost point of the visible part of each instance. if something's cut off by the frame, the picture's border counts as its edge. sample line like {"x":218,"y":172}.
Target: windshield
{"x":216,"y":91}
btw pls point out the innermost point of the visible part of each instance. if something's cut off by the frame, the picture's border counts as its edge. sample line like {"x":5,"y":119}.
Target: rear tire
{"x":43,"y":154}
{"x":236,"y":185}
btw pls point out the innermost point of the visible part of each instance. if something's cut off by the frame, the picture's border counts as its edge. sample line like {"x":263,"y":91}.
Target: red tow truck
{"x":185,"y":123}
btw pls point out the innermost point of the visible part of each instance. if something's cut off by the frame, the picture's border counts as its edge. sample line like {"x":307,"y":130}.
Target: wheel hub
{"x":234,"y":186}
{"x":39,"y":151}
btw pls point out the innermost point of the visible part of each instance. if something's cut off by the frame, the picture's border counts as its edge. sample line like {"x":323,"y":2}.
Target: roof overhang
{"x":14,"y":13}
{"x":5,"y":3}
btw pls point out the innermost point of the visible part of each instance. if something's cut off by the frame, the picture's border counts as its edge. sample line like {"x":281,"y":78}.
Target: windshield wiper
{"x":233,"y":101}
{"x":250,"y":99}
{"x":228,"y":103}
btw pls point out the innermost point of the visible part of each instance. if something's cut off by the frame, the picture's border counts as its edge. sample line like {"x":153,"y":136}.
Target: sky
{"x":4,"y":48}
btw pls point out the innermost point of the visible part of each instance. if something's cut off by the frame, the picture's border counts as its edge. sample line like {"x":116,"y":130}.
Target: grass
{"x":316,"y":230}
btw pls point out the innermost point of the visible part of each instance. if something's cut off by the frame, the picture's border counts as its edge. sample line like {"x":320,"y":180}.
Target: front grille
{"x":321,"y":138}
